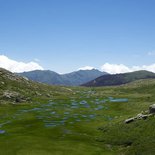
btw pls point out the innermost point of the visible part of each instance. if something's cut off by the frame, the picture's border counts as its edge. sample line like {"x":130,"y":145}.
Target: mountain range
{"x":119,"y":79}
{"x":71,"y":79}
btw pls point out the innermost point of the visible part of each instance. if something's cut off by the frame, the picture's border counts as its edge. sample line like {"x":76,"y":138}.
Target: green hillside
{"x":38,"y":119}
{"x":15,"y":89}
{"x":119,"y":79}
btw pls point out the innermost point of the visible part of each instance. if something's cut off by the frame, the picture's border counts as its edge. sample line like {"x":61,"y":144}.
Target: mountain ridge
{"x":71,"y":79}
{"x":119,"y":79}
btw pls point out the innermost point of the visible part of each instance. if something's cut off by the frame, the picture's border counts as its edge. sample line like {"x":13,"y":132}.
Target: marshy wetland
{"x":57,"y":120}
{"x":58,"y":113}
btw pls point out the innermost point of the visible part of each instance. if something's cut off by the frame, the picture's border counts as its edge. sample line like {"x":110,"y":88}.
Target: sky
{"x":66,"y":35}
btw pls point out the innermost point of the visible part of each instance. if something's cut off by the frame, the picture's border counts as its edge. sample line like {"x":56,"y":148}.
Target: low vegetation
{"x":37,"y":119}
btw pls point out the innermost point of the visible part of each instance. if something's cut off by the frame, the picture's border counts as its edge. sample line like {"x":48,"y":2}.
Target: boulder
{"x":141,"y":116}
{"x":152,"y":109}
{"x":129,"y":120}
{"x":10,"y":94}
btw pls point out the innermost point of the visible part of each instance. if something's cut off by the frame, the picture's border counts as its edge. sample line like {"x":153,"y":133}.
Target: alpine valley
{"x":42,"y":119}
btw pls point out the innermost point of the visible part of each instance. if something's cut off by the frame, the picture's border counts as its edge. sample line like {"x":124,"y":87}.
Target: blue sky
{"x":65,"y":35}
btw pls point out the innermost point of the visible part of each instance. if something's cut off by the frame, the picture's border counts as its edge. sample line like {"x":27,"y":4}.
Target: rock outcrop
{"x":152,"y":109}
{"x":142,"y":115}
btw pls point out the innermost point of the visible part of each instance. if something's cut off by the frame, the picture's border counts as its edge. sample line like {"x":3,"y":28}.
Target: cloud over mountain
{"x":15,"y":66}
{"x":120,"y":68}
{"x":86,"y":68}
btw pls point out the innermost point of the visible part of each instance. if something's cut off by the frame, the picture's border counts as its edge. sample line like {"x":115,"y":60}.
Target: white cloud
{"x":149,"y":68}
{"x":120,"y":68}
{"x":86,"y":68}
{"x":114,"y":68}
{"x":15,"y":66}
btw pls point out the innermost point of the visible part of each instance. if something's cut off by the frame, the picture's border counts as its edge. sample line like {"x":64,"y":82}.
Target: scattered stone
{"x":142,"y":115}
{"x":8,"y":94}
{"x":152,"y":109}
{"x":129,"y":120}
{"x":13,"y":95}
{"x":25,"y":78}
{"x":68,"y":89}
{"x":37,"y":93}
{"x":18,"y":99}
{"x":48,"y":95}
{"x":2,"y":83}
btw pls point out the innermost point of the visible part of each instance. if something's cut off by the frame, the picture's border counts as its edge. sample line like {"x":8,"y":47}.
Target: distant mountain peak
{"x":73,"y":79}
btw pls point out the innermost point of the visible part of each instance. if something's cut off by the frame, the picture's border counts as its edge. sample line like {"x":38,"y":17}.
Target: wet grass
{"x":76,"y":120}
{"x":55,"y":127}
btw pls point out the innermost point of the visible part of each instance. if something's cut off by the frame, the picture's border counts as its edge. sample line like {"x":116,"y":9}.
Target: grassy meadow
{"x":57,"y":120}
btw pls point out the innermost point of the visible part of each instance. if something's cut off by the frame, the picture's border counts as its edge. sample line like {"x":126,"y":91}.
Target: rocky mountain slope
{"x":15,"y":89}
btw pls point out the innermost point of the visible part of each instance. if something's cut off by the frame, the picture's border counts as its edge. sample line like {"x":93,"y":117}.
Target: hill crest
{"x":119,"y":79}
